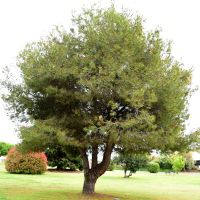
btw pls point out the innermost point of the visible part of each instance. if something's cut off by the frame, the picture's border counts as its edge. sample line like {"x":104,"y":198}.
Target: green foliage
{"x":104,"y":84}
{"x":100,"y":82}
{"x":63,"y":158}
{"x":178,"y":163}
{"x":4,"y":148}
{"x":165,"y":162}
{"x":131,"y":162}
{"x":30,"y":163}
{"x":153,"y":167}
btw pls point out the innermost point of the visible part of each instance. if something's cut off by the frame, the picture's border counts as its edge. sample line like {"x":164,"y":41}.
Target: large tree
{"x":104,"y":85}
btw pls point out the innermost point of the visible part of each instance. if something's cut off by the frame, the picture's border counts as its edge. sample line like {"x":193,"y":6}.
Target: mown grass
{"x":67,"y":186}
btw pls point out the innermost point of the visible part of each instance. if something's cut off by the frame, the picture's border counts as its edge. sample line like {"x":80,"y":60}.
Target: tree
{"x":4,"y":148}
{"x":104,"y":85}
{"x":131,"y":162}
{"x":63,"y":157}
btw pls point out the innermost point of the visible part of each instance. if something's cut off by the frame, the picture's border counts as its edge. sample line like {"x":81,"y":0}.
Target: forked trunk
{"x":91,"y":174}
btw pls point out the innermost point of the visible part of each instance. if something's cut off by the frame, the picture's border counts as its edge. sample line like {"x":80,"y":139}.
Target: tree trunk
{"x":89,"y":184}
{"x":92,"y":174}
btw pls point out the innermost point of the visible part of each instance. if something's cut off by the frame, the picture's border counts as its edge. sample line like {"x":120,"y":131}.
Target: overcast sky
{"x":23,"y":21}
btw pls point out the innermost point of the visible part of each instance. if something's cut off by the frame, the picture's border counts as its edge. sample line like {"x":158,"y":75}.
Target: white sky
{"x":23,"y":21}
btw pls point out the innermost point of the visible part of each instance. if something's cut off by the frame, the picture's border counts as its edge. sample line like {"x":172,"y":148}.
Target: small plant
{"x":153,"y":167}
{"x":29,"y":163}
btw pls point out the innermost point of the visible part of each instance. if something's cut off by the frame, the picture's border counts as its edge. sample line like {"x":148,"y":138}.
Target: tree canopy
{"x":106,"y":84}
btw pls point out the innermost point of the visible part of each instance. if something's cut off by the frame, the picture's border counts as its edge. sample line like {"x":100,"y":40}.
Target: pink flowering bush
{"x":29,"y":163}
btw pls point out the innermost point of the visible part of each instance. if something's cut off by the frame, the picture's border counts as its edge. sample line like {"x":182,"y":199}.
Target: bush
{"x":29,"y":163}
{"x":153,"y":167}
{"x":189,"y":162}
{"x":165,"y":162}
{"x":178,"y":163}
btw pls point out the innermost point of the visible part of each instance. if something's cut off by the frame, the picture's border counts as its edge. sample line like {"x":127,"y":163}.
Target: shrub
{"x":153,"y":167}
{"x":178,"y":163}
{"x":29,"y":163}
{"x":165,"y":162}
{"x":189,"y":162}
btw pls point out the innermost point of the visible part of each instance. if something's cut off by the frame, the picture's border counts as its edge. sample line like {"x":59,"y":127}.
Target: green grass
{"x":67,"y":186}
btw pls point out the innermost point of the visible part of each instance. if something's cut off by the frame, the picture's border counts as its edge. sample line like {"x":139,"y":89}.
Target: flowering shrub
{"x":29,"y":163}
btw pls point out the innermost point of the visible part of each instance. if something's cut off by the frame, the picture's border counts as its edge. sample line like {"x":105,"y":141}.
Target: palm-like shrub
{"x":29,"y":163}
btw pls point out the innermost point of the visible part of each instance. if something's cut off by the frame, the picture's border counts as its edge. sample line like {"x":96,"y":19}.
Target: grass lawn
{"x":67,"y":186}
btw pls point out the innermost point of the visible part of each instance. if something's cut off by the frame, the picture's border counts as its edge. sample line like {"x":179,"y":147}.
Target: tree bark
{"x":89,"y":183}
{"x":92,"y":174}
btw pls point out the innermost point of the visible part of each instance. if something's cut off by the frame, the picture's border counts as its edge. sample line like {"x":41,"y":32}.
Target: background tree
{"x":131,"y":162}
{"x":104,"y":85}
{"x":4,"y":148}
{"x":63,"y":158}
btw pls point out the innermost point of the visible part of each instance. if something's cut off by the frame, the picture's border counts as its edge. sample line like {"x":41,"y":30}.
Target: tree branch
{"x":85,"y":160}
{"x":94,"y":155}
{"x":102,"y":167}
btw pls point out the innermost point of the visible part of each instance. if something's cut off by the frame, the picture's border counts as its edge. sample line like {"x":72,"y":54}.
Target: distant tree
{"x":63,"y":158}
{"x":4,"y":148}
{"x":104,"y":85}
{"x":131,"y":162}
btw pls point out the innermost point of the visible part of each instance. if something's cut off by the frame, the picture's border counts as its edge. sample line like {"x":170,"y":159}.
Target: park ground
{"x":111,"y":186}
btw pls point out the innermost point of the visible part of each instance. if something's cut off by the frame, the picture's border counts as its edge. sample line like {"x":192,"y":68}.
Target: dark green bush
{"x":165,"y":162}
{"x":153,"y":167}
{"x":29,"y":163}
